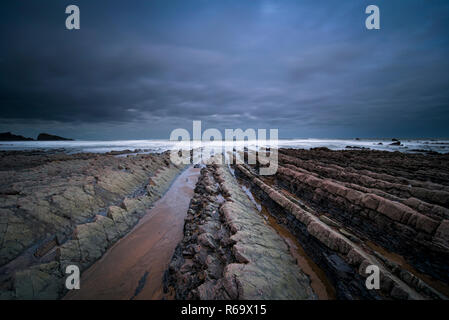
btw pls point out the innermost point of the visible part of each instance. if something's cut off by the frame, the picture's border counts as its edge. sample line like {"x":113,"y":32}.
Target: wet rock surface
{"x":228,"y":252}
{"x":347,"y":210}
{"x":351,"y":209}
{"x":134,"y":266}
{"x":69,"y":211}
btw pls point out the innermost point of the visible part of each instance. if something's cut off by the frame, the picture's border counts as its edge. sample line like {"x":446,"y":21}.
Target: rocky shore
{"x":350,"y":209}
{"x":228,"y":251}
{"x":68,"y":209}
{"x":345,"y":210}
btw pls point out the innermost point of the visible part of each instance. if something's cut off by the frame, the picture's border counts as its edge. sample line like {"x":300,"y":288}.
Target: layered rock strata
{"x":406,"y":216}
{"x":68,"y":213}
{"x":336,"y":199}
{"x":228,"y":251}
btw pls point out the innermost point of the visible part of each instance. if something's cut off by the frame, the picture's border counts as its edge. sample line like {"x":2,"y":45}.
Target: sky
{"x":139,"y":69}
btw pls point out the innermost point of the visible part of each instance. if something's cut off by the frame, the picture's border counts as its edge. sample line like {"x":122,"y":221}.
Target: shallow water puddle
{"x":318,"y":280}
{"x":134,"y":266}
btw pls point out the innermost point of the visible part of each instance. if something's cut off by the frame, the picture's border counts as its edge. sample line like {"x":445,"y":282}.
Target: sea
{"x":156,"y":146}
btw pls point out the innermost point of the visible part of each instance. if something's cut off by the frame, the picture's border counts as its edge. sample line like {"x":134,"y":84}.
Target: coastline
{"x":134,"y":266}
{"x":161,"y":145}
{"x":328,"y":214}
{"x":70,"y":211}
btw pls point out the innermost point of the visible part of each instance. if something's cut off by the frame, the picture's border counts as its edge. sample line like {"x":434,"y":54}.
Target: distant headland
{"x":8,"y":136}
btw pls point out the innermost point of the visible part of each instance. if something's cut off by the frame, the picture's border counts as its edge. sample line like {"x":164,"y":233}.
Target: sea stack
{"x":8,"y":136}
{"x":50,"y":137}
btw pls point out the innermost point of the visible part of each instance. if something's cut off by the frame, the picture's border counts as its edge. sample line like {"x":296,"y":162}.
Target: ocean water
{"x":153,"y":146}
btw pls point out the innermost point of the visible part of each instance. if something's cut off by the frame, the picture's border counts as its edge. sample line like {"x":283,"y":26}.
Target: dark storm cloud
{"x":309,"y":68}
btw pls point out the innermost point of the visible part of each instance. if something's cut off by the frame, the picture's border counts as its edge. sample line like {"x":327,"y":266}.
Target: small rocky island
{"x":8,"y":136}
{"x":51,"y":137}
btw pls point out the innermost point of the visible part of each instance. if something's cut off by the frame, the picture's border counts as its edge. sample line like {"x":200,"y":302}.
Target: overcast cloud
{"x":139,"y":69}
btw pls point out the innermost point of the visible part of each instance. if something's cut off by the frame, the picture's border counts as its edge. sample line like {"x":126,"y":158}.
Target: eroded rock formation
{"x":228,"y":251}
{"x":69,"y":211}
{"x":351,"y":209}
{"x":347,"y":210}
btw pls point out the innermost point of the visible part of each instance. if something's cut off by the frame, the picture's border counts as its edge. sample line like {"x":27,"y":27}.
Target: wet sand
{"x":134,"y":267}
